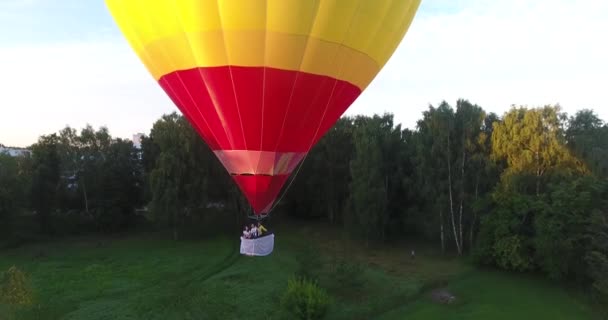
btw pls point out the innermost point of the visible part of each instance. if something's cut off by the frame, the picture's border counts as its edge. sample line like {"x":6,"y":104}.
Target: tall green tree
{"x":561,"y":237}
{"x":120,"y":189}
{"x":484,"y":175}
{"x":544,"y":203}
{"x":596,"y":257}
{"x":149,"y":154}
{"x":452,"y":153}
{"x":186,"y":175}
{"x":10,"y":191}
{"x":408,"y":200}
{"x":432,"y":154}
{"x":587,"y":137}
{"x":394,"y":168}
{"x":368,"y":185}
{"x":333,"y":173}
{"x":101,"y":177}
{"x":45,"y":178}
{"x":319,"y":188}
{"x":471,"y":153}
{"x":506,"y":233}
{"x":92,"y":148}
{"x":169,"y":177}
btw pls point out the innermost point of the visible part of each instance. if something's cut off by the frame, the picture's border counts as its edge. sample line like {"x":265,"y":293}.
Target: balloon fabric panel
{"x":262,"y":81}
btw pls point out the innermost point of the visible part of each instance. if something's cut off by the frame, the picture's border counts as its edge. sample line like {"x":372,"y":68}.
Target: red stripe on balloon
{"x":259,"y":108}
{"x":261,"y":191}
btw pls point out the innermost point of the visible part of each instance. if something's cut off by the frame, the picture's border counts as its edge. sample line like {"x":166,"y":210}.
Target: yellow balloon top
{"x":349,"y":40}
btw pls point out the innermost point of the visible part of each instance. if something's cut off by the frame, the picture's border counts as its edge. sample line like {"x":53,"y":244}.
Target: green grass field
{"x":151,"y":277}
{"x":493,"y":295}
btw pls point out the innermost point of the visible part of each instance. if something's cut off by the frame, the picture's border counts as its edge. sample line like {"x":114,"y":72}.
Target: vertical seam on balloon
{"x":348,"y":31}
{"x":179,"y":20}
{"x":236,"y":101}
{"x":136,"y":36}
{"x":392,"y":45}
{"x":232,"y":146}
{"x":259,"y":159}
{"x":306,"y":47}
{"x":128,"y":24}
{"x":177,"y":74}
{"x":263,"y":85}
{"x":326,"y":106}
{"x":388,"y":6}
{"x":170,"y":88}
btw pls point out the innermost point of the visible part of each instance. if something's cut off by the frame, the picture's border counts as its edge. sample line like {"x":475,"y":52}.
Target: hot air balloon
{"x":262,"y":81}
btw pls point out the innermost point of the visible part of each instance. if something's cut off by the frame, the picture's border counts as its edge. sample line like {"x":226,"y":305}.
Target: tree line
{"x":526,"y":191}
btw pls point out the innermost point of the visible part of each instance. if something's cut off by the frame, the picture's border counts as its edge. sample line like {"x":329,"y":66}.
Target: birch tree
{"x":532,"y":142}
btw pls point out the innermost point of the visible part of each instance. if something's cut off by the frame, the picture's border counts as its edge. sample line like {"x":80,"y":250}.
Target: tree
{"x":186,"y":174}
{"x":596,"y":257}
{"x":101,"y":177}
{"x":368,"y":185}
{"x":472,"y":152}
{"x":485,"y":174}
{"x":45,"y":178}
{"x":505,"y":235}
{"x":333,"y":172}
{"x":547,"y":211}
{"x":587,"y":138}
{"x":394,"y":169}
{"x":10,"y":192}
{"x":532,"y":142}
{"x":149,"y":155}
{"x":119,"y":187}
{"x":451,"y":157}
{"x":431,"y":155}
{"x":320,"y":187}
{"x":408,"y":199}
{"x":561,"y":238}
{"x":91,"y":150}
{"x":167,"y":178}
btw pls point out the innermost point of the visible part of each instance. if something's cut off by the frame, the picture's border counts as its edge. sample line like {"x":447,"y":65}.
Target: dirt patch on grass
{"x":442,"y":296}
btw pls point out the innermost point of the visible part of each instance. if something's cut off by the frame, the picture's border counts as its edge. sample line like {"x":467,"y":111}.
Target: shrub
{"x":14,"y":288}
{"x":305,"y":300}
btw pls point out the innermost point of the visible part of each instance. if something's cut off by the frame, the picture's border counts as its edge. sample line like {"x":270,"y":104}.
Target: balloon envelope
{"x":263,"y":80}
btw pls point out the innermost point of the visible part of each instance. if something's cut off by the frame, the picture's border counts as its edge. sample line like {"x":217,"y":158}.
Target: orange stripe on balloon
{"x":258,"y":48}
{"x":373,"y":27}
{"x":259,"y":162}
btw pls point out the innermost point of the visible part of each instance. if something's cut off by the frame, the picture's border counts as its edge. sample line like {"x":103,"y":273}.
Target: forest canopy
{"x":523,"y":191}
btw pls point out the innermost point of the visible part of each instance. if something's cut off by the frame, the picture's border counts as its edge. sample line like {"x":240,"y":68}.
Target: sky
{"x":66,"y":63}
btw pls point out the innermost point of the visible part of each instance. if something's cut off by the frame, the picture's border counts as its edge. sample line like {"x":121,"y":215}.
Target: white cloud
{"x":45,"y":88}
{"x":16,"y":4}
{"x":497,"y":53}
{"x":493,"y":52}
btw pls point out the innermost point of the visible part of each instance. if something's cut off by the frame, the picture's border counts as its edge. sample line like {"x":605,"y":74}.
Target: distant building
{"x":137,"y":140}
{"x":14,"y":152}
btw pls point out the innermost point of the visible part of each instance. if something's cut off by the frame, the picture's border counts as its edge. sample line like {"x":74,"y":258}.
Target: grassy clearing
{"x":96,"y":278}
{"x":494,"y":295}
{"x":151,"y":277}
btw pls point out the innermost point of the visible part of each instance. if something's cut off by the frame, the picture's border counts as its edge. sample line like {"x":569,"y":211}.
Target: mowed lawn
{"x":152,"y":277}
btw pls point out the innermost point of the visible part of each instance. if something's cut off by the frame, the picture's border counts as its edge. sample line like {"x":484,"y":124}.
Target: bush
{"x":14,"y":288}
{"x":305,"y":300}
